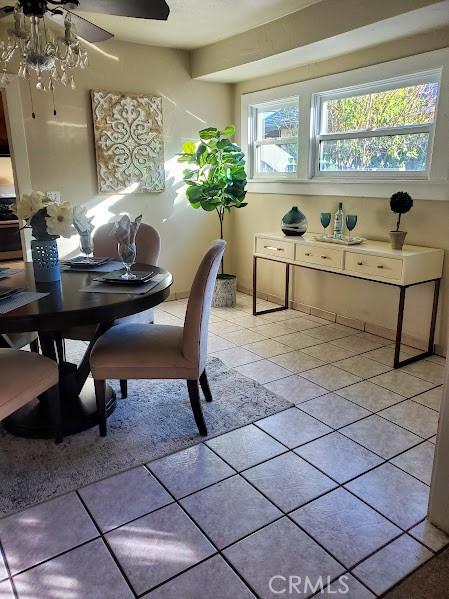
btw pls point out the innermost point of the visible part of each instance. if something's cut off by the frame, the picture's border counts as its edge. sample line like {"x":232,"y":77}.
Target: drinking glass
{"x":351,"y":221}
{"x":326,"y":218}
{"x":86,"y":244}
{"x":127,"y":253}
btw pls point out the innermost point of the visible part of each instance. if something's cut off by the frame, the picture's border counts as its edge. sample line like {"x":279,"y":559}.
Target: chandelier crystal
{"x":43,"y":59}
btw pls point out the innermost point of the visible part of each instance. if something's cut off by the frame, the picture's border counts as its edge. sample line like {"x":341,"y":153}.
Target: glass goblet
{"x":127,"y":253}
{"x":351,"y":221}
{"x":325,"y":218}
{"x":86,"y":244}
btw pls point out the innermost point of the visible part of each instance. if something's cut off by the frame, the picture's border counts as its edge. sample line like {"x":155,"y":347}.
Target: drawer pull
{"x":359,"y":263}
{"x":271,"y":247}
{"x":324,"y":257}
{"x":307,"y":254}
{"x":380,"y":266}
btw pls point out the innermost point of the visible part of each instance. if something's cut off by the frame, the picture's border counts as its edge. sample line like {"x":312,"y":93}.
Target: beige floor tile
{"x":427,"y":370}
{"x":236,"y":356}
{"x":328,"y":353}
{"x":402,"y":383}
{"x":330,"y":332}
{"x":267,"y":348}
{"x":385,"y":355}
{"x":301,"y":324}
{"x":381,"y":436}
{"x":216,"y":343}
{"x":246,"y":320}
{"x":363,"y":367}
{"x":359,"y":343}
{"x":297,"y":361}
{"x":283,"y":315}
{"x":334,"y":410}
{"x":431,"y":399}
{"x":223,"y":326}
{"x":314,"y":318}
{"x":433,"y":439}
{"x":430,"y":535}
{"x":417,"y":461}
{"x":418,"y":419}
{"x":296,"y":389}
{"x":330,"y":377}
{"x":293,"y":427}
{"x":161,"y":317}
{"x":274,"y":329}
{"x":243,"y":336}
{"x":392,"y":563}
{"x":370,"y":396}
{"x":298,"y":340}
{"x":263,"y":371}
{"x":437,"y":359}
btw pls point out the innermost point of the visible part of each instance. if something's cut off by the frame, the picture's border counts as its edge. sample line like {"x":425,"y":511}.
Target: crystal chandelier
{"x":44,"y":59}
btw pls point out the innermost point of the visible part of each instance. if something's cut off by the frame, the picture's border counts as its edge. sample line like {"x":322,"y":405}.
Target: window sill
{"x":420,"y":189}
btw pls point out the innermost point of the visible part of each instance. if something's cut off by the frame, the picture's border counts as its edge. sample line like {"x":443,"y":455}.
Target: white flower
{"x":60,"y":219}
{"x":30,"y":204}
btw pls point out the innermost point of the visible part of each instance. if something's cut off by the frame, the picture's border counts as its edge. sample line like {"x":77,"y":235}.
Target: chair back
{"x":148,"y":243}
{"x":199,"y":305}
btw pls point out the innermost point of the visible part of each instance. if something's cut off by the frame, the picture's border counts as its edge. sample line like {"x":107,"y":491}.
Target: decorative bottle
{"x":339,"y":220}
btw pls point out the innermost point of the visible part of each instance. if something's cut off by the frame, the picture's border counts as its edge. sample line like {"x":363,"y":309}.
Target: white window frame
{"x":317,"y":137}
{"x":434,"y":185}
{"x":254,"y":143}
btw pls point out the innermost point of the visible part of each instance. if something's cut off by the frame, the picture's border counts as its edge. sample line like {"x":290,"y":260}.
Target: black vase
{"x":294,"y":222}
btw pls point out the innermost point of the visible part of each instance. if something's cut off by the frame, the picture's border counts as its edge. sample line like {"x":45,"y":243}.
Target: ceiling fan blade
{"x":84,"y":28}
{"x":139,"y":9}
{"x":5,"y":11}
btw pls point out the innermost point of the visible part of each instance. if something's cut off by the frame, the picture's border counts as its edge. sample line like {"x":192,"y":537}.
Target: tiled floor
{"x":336,"y":485}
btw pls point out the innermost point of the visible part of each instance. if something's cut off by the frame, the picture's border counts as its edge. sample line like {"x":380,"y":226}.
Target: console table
{"x":373,"y":261}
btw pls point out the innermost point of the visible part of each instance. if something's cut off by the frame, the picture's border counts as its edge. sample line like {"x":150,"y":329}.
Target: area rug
{"x":155,"y":420}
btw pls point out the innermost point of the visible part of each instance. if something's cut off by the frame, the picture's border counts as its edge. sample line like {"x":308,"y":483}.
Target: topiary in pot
{"x":400,"y":203}
{"x":216,"y":182}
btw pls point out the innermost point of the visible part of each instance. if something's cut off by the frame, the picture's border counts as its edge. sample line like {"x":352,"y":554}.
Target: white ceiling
{"x":196,"y":23}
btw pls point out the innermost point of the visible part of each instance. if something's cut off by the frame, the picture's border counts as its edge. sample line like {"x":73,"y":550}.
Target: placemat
{"x":108,"y":267}
{"x":8,"y":272}
{"x":19,"y":299}
{"x":128,"y":289}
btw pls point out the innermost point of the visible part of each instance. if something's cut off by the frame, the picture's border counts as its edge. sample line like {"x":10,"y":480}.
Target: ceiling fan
{"x":58,"y":9}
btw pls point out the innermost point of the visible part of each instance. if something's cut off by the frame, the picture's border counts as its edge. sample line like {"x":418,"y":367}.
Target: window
{"x":275,"y":143}
{"x":384,"y":128}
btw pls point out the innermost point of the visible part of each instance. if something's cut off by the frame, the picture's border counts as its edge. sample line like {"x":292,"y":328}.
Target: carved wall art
{"x":128,"y":141}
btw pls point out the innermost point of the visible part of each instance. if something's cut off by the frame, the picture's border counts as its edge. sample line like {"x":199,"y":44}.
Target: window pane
{"x":388,"y":153}
{"x":274,"y":158}
{"x":393,"y":108}
{"x":279,"y":121}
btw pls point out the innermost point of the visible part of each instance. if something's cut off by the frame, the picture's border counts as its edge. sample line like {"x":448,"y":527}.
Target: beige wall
{"x":427,"y":224}
{"x":61,"y":150}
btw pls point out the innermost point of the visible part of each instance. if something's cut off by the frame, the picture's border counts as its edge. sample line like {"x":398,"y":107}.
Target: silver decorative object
{"x":128,"y":142}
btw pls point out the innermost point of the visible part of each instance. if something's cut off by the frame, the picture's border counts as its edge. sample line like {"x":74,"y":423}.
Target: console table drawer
{"x":387,"y":268}
{"x":281,"y":249}
{"x":325,"y":256}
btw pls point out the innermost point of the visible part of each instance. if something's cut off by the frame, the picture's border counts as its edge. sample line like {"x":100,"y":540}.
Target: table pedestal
{"x":78,"y":414}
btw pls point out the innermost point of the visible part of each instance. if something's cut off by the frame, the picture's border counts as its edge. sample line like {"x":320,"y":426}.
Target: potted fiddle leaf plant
{"x":400,"y":203}
{"x":216,"y":182}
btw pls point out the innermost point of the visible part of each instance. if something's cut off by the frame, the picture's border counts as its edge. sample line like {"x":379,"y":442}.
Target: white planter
{"x":225,"y":292}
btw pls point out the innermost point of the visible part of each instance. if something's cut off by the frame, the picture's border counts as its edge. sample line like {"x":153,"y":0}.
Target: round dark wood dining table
{"x":64,"y":307}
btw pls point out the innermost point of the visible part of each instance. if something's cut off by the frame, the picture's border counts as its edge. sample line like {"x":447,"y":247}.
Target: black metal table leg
{"x":286,"y":292}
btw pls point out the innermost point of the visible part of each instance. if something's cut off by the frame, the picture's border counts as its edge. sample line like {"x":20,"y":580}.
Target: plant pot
{"x":225,"y":291}
{"x":397,"y":239}
{"x":45,"y":260}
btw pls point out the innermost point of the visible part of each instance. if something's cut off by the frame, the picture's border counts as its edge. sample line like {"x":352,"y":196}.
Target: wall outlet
{"x":54,"y":195}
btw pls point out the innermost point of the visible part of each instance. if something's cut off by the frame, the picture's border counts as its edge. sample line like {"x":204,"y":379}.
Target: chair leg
{"x":100,"y":396}
{"x":124,"y":388}
{"x":194,"y":395}
{"x":54,"y":406}
{"x":205,"y":386}
{"x":34,"y":346}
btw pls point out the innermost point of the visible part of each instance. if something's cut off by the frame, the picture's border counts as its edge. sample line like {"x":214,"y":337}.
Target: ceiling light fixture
{"x":43,"y":59}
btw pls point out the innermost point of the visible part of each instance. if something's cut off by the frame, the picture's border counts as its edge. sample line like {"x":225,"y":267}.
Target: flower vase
{"x":45,"y":260}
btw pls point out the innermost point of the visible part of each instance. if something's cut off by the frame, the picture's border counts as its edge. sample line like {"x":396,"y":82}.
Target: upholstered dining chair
{"x":19,"y":340}
{"x":17,"y":390}
{"x":148,"y":247}
{"x":130,"y":351}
